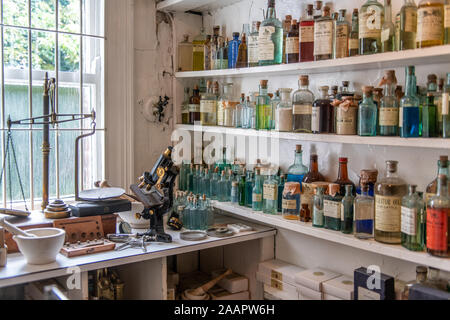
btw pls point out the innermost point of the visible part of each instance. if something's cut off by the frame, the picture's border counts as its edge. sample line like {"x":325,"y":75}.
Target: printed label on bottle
{"x":266,"y":47}
{"x":445,"y":103}
{"x":353,"y":44}
{"x":409,"y":221}
{"x":323,"y":38}
{"x":208,"y":106}
{"x":365,"y":294}
{"x":370,"y":23}
{"x":289,"y":204}
{"x":428,"y":197}
{"x":430,"y":24}
{"x":332,"y":209}
{"x":257,"y":197}
{"x":315,"y":119}
{"x":410,"y":20}
{"x":304,"y":109}
{"x":385,"y":35}
{"x":292,"y":45}
{"x":363,"y":211}
{"x":270,"y":192}
{"x":388,"y":213}
{"x":346,"y":121}
{"x":307,"y":196}
{"x":447,"y":16}
{"x":306,"y":34}
{"x":252,"y":47}
{"x":194,"y":108}
{"x":400,"y":117}
{"x":389,"y":117}
{"x":437,"y":229}
{"x":342,"y":41}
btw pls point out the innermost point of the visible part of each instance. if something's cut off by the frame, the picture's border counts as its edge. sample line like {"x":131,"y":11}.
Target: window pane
{"x":93,"y":22}
{"x":15,"y":12}
{"x":66,"y":150}
{"x":93,"y":159}
{"x":69,"y":15}
{"x":43,"y":50}
{"x":43,"y":14}
{"x":38,"y":164}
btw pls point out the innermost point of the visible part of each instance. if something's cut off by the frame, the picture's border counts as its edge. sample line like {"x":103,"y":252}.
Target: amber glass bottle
{"x":292,"y":43}
{"x":242,"y":59}
{"x":194,"y":106}
{"x":430,"y":23}
{"x":343,"y":179}
{"x":313,"y":175}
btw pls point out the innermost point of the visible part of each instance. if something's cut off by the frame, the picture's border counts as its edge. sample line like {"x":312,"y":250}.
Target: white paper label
{"x":447,"y":16}
{"x":266,"y":46}
{"x":353,"y":44}
{"x":385,"y":35}
{"x":307,"y":34}
{"x":389,"y":117}
{"x":400,"y":117}
{"x":208,"y":106}
{"x":388,"y":213}
{"x":365,"y":294}
{"x":332,"y":209}
{"x":270,"y":192}
{"x":445,"y":103}
{"x":292,"y":45}
{"x":323,"y":38}
{"x":410,"y":20}
{"x":252,"y":46}
{"x":304,"y":109}
{"x":315,"y":119}
{"x":429,"y":24}
{"x":194,"y":108}
{"x":409,"y":221}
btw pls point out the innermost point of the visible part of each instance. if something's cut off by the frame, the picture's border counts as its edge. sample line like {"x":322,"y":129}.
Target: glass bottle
{"x":364,"y":214}
{"x":305,"y":213}
{"x":230,"y":179}
{"x":280,"y":192}
{"x":215,"y":49}
{"x":388,"y":29}
{"x":297,"y":171}
{"x":275,"y":101}
{"x":409,"y":107}
{"x":322,"y":115}
{"x":283,"y":112}
{"x":198,"y":47}
{"x":252,"y":111}
{"x":389,"y":192}
{"x":367,"y":114}
{"x":369,"y":177}
{"x":185,"y":107}
{"x":194,"y":106}
{"x":270,"y":195}
{"x":238,"y":112}
{"x":353,"y":42}
{"x":317,"y":216}
{"x":253,"y":53}
{"x":341,"y":36}
{"x":343,"y":179}
{"x":429,"y":118}
{"x":263,"y":108}
{"x":421,"y":278}
{"x":318,"y":9}
{"x":323,"y":36}
{"x":222,"y":195}
{"x":242,"y":189}
{"x":445,"y":110}
{"x":286,"y":23}
{"x":430,"y":23}
{"x":249,"y":184}
{"x":242,"y":58}
{"x":408,"y":25}
{"x":223,"y":53}
{"x":332,"y":208}
{"x":431,"y":189}
{"x":438,"y":215}
{"x":388,"y":119}
{"x":345,"y":91}
{"x":214,"y":185}
{"x":234,"y":198}
{"x":306,"y":35}
{"x":303,"y":100}
{"x":223,"y":103}
{"x":190,"y":178}
{"x":371,"y":20}
{"x":291,"y":201}
{"x":312,"y":176}
{"x":412,"y":220}
{"x":347,"y":210}
{"x":346,"y":116}
{"x":208,"y":106}
{"x":257,"y":192}
{"x":447,"y":22}
{"x":233,"y":50}
{"x":293,"y":44}
{"x":270,"y":41}
{"x":185,"y":52}
{"x":207,"y":53}
{"x":397,"y":31}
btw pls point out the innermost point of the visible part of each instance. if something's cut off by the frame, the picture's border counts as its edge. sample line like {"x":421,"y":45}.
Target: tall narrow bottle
{"x":185,"y":107}
{"x":323,"y":36}
{"x":445,"y":110}
{"x":306,"y":33}
{"x":388,"y":201}
{"x":341,"y":36}
{"x":208,"y":106}
{"x":347,"y":210}
{"x":270,"y":195}
{"x":242,"y":59}
{"x":430,"y":23}
{"x":215,"y":47}
{"x":249,"y":184}
{"x":286,"y":23}
{"x":297,"y":171}
{"x":353,"y":42}
{"x":198,"y":47}
{"x":409,"y":107}
{"x":257,"y":193}
{"x":317,"y":214}
{"x":313,"y":175}
{"x":242,"y":189}
{"x":233,"y":50}
{"x":412,"y":220}
{"x":303,"y":100}
{"x":270,"y":41}
{"x":252,"y":53}
{"x":443,"y":165}
{"x":388,"y":29}
{"x":364,"y":214}
{"x":367,"y":114}
{"x":292,"y":44}
{"x":429,"y":118}
{"x":223,"y":188}
{"x":263,"y":108}
{"x":194,"y":106}
{"x":408,"y":25}
{"x":343,"y":178}
{"x":389,"y":109}
{"x":371,"y":20}
{"x":223,"y":53}
{"x":185,"y":52}
{"x":447,"y":21}
{"x":207,"y":53}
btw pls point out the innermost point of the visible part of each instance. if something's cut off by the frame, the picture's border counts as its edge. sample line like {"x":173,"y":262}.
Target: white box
{"x":280,"y":270}
{"x":218,"y":293}
{"x":285,"y":290}
{"x":331,"y":297}
{"x":233,"y":283}
{"x":313,"y":278}
{"x":341,"y":287}
{"x":308,"y":294}
{"x":280,"y":295}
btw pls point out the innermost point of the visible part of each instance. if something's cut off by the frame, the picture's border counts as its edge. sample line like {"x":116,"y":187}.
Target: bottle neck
{"x":262,"y":91}
{"x":448,"y":79}
{"x":285,"y":96}
{"x":314,"y":166}
{"x":298,"y":159}
{"x":387,"y":11}
{"x":343,"y":172}
{"x":303,"y":87}
{"x":324,"y":95}
{"x":389,"y":90}
{"x":442,"y":189}
{"x":271,"y":13}
{"x":355,"y":23}
{"x":365,"y":192}
{"x":368,"y":98}
{"x":442,"y":169}
{"x":391,"y":174}
{"x":411,"y":86}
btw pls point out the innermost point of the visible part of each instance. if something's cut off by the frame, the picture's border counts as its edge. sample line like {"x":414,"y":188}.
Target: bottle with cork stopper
{"x":303,"y":100}
{"x":367,"y":114}
{"x":389,"y":106}
{"x":263,"y":108}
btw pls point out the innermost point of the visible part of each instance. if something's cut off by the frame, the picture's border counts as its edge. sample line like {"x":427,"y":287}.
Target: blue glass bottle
{"x":234,"y":192}
{"x":297,"y":171}
{"x":364,"y":214}
{"x":257,"y":194}
{"x":409,"y":107}
{"x":233,"y":49}
{"x":249,"y":184}
{"x":367,"y":114}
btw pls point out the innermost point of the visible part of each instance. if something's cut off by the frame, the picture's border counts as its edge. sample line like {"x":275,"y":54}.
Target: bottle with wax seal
{"x":312,"y":176}
{"x":412,"y":220}
{"x":291,"y":201}
{"x":346,"y":115}
{"x":332,"y":208}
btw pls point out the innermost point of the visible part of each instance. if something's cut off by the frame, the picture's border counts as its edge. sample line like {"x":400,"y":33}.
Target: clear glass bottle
{"x":270,"y":41}
{"x":214,"y":185}
{"x":364,"y":214}
{"x":409,"y":107}
{"x":224,"y":103}
{"x":185,"y":52}
{"x":408,"y":25}
{"x":322,"y":117}
{"x":306,"y":35}
{"x":429,"y":118}
{"x":389,"y":108}
{"x":303,"y":100}
{"x":367,"y":114}
{"x":257,"y":192}
{"x":253,"y":53}
{"x":332,"y":208}
{"x":263,"y":108}
{"x":445,"y":110}
{"x":208,"y":106}
{"x":431,"y":189}
{"x":297,"y":171}
{"x":238,"y":112}
{"x":185,"y":107}
{"x":343,"y":178}
{"x":353,"y":42}
{"x":389,"y":192}
{"x":223,"y":53}
{"x":430,"y":23}
{"x":283,"y":112}
{"x":308,"y":186}
{"x":222,"y":193}
{"x":198,"y":47}
{"x":242,"y":188}
{"x":206,"y":184}
{"x":371,"y":20}
{"x":249,"y":184}
{"x":207,"y":53}
{"x":291,"y":201}
{"x":347,"y":210}
{"x":233,"y":50}
{"x":412,"y":220}
{"x":318,"y":5}
{"x":317,"y":216}
{"x":438,"y":215}
{"x":275,"y":101}
{"x":242,"y":59}
{"x":293,"y":44}
{"x":388,"y":29}
{"x":234,"y":192}
{"x":341,"y":36}
{"x":215,"y":48}
{"x":270,"y":195}
{"x":323,"y":36}
{"x":286,"y":23}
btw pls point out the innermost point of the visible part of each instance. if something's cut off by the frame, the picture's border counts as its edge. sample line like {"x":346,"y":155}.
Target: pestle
{"x":14,"y":230}
{"x":204,"y":288}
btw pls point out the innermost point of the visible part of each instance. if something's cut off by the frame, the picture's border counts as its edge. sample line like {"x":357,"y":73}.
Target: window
{"x":66,"y":39}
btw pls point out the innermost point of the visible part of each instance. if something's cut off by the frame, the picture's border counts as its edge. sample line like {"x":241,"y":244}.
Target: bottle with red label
{"x":438,"y":216}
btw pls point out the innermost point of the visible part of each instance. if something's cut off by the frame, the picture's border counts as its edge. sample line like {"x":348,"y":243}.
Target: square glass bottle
{"x":322,"y":117}
{"x":408,"y":25}
{"x":252,"y":45}
{"x":367,"y":114}
{"x":303,"y":100}
{"x":270,"y":41}
{"x":371,"y":20}
{"x":341,"y":36}
{"x":323,"y":36}
{"x":208,"y":106}
{"x":364,"y":214}
{"x":430,"y":23}
{"x":409,"y":119}
{"x":292,"y":44}
{"x":353,"y":43}
{"x":332,"y":208}
{"x":306,"y":35}
{"x":412,"y":219}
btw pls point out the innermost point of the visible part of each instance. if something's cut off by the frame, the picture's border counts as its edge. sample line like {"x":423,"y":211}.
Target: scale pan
{"x":101,"y":194}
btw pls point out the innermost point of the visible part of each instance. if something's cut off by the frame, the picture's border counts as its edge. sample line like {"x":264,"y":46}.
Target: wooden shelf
{"x":395,"y":251}
{"x":387,"y":60}
{"x":193,"y":5}
{"x":435,"y":143}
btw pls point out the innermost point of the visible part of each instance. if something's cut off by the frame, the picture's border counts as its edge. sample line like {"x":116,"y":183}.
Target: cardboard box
{"x":341,"y":287}
{"x":218,"y":293}
{"x":233,"y":283}
{"x":279,"y":295}
{"x":308,"y":294}
{"x":385,"y":291}
{"x":279,"y":270}
{"x":283,"y":290}
{"x":313,"y":278}
{"x":331,"y":297}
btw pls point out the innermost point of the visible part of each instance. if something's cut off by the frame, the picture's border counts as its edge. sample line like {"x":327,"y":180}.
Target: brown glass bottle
{"x":194,"y":106}
{"x":292,"y":44}
{"x":306,"y":36}
{"x":313,"y":175}
{"x":343,"y":179}
{"x":242,"y":59}
{"x":325,"y":110}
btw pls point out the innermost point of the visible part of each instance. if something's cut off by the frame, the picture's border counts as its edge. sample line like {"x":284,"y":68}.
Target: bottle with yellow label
{"x":430,"y":23}
{"x":371,"y":20}
{"x":388,"y":204}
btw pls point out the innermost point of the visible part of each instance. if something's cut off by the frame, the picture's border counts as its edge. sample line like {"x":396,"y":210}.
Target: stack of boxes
{"x":232,"y":287}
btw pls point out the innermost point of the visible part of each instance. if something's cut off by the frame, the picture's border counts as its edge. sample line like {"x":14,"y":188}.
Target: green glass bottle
{"x":388,"y":29}
{"x":241,"y":188}
{"x":371,"y":20}
{"x":412,"y":220}
{"x":280,"y":192}
{"x":429,"y":118}
{"x":223,"y":188}
{"x":332,"y":208}
{"x":270,"y":195}
{"x":257,"y":192}
{"x":263,"y":108}
{"x":270,"y":40}
{"x":249,"y":184}
{"x":190,"y":179}
{"x":214,"y":185}
{"x":367,"y":114}
{"x":347,"y":210}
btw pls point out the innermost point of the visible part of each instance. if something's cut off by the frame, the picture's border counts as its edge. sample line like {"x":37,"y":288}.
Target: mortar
{"x":43,"y":248}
